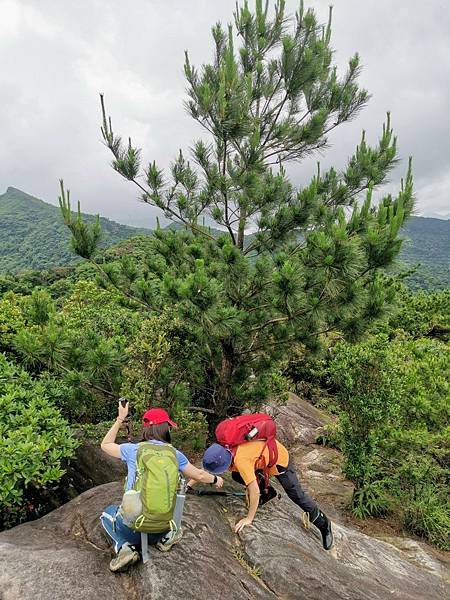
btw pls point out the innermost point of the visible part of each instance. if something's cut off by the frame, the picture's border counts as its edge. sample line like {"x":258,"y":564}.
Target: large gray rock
{"x":88,"y":468}
{"x":91,"y":467}
{"x":298,"y":422}
{"x":65,"y":555}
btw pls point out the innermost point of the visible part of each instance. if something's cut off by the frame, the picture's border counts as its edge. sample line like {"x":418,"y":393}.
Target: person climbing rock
{"x":251,"y":452}
{"x":155,"y":512}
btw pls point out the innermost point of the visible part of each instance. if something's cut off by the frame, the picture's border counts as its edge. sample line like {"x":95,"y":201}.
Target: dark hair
{"x":159,"y":432}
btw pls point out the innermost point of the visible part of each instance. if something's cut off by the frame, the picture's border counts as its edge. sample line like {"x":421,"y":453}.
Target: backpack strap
{"x":271,"y":445}
{"x":265,"y":468}
{"x":273,"y":452}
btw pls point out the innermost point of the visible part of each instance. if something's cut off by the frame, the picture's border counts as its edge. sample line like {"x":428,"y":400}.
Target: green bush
{"x":428,"y":515}
{"x":368,"y":395}
{"x":394,"y":402}
{"x":191,"y":434}
{"x":162,"y":364}
{"x":34,"y":439}
{"x":423,"y":314}
{"x":12,"y":319}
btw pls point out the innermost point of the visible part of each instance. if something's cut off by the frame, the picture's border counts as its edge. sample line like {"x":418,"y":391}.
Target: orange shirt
{"x":247,"y":460}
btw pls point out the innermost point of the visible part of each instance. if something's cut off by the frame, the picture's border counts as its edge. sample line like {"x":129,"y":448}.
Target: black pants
{"x":291,"y":485}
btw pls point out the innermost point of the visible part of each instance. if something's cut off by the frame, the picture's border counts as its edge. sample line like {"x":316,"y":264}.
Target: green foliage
{"x":85,"y":237}
{"x":38,"y":307}
{"x":424,"y":314}
{"x":192,"y":431}
{"x":370,"y":499}
{"x":93,"y":433}
{"x":313,"y":263}
{"x":83,"y":342}
{"x":278,"y":385}
{"x":12,"y":319}
{"x":393,"y":398}
{"x":147,"y":358}
{"x":428,"y":515}
{"x":369,"y":392}
{"x":34,"y":438}
{"x":392,"y":395}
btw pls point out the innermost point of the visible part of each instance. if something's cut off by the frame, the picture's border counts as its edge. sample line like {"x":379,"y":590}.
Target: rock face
{"x":94,"y":467}
{"x":298,"y":422}
{"x":88,"y":468}
{"x":65,"y":555}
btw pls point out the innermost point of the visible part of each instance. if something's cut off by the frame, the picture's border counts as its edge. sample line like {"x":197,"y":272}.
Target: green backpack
{"x":157,"y":480}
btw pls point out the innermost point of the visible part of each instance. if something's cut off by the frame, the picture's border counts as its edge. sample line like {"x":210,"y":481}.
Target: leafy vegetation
{"x":392,"y":395}
{"x":34,"y":438}
{"x":314,"y":263}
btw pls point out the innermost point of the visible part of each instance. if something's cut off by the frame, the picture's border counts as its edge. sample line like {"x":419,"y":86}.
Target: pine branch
{"x":122,"y":291}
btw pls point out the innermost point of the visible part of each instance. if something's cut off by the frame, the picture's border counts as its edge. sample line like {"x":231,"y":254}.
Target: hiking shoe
{"x":323,"y":524}
{"x":124,"y":559}
{"x":171,"y":538}
{"x":268,"y":495}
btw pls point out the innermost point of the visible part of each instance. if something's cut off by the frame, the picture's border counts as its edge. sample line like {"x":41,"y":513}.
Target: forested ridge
{"x":33,"y":236}
{"x":427,"y":242}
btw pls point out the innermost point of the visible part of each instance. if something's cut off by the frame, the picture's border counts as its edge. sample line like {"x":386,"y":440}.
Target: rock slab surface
{"x":65,"y":554}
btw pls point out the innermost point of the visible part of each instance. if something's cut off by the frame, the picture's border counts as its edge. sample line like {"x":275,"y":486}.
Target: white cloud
{"x":59,"y":55}
{"x":434,"y":196}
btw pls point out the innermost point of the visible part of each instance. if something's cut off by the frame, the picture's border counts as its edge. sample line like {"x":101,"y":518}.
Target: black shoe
{"x":268,"y":495}
{"x":323,"y":524}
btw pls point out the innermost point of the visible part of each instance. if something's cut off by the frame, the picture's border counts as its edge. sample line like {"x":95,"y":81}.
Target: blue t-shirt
{"x":128,"y":455}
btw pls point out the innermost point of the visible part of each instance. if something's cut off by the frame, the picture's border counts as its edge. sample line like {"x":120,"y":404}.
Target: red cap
{"x":156,"y":416}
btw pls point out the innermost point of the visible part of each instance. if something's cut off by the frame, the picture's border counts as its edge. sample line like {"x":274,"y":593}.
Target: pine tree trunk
{"x":241,"y":230}
{"x":223,"y":397}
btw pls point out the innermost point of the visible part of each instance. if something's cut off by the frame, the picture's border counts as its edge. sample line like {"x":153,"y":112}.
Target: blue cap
{"x":217,"y":459}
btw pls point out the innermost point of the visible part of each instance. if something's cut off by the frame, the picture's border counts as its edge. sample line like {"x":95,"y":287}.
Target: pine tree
{"x":288,"y":265}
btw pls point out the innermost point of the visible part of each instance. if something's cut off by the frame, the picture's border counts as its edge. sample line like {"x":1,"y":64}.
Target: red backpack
{"x":231,"y":433}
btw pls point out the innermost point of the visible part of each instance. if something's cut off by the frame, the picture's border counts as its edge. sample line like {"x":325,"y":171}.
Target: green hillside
{"x":33,"y":235}
{"x":427,"y":241}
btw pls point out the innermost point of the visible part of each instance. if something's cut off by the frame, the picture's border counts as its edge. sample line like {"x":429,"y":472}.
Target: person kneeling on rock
{"x":151,"y":487}
{"x":252,"y":453}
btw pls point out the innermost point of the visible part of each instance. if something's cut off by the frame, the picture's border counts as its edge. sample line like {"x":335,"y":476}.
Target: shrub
{"x":162,"y":364}
{"x":423,"y":314}
{"x":34,"y":439}
{"x":368,"y":395}
{"x":428,"y":515}
{"x":191,"y":434}
{"x":394,"y":400}
{"x":12,"y":319}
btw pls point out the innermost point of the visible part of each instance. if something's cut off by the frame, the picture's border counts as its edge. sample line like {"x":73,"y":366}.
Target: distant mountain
{"x":444,"y":217}
{"x":33,"y":234}
{"x":427,"y":241}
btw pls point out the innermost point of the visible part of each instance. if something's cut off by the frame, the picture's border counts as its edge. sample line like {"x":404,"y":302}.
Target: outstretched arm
{"x":201,"y":476}
{"x":253,"y":500}
{"x":108,"y":444}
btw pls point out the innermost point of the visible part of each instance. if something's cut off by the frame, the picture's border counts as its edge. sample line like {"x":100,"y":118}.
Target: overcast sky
{"x":56,"y":55}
